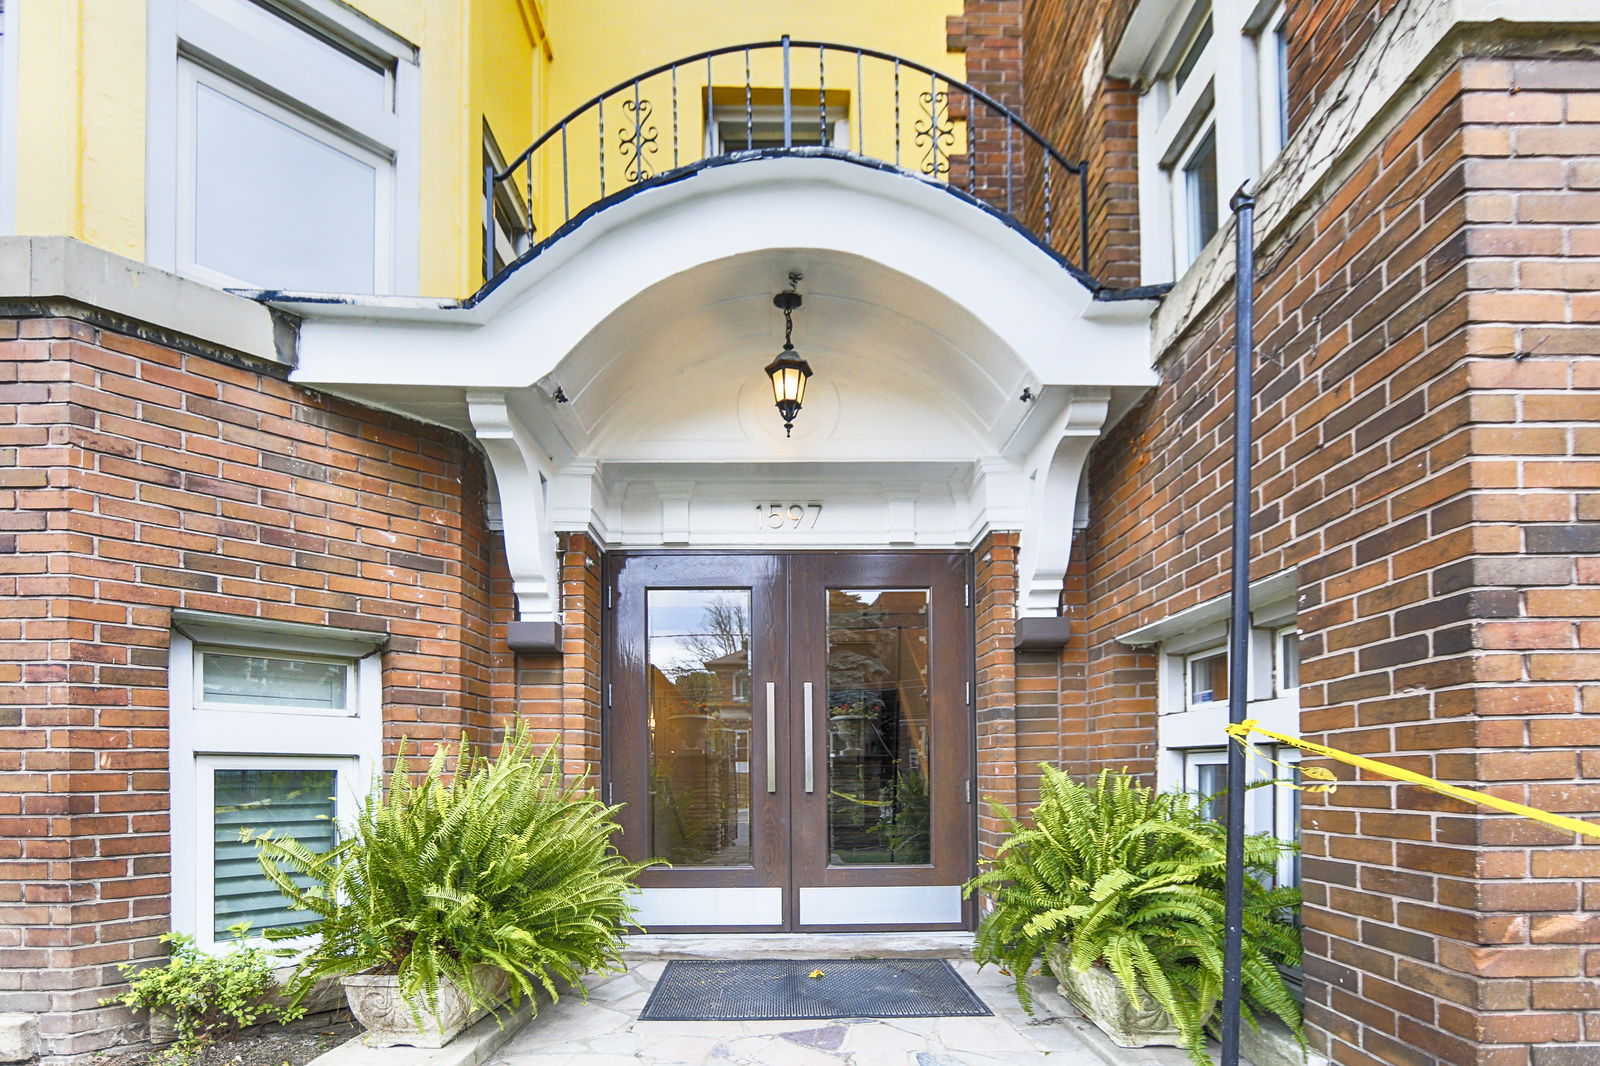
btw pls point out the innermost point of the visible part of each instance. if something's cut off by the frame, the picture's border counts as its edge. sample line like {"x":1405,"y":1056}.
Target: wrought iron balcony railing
{"x":836,"y":101}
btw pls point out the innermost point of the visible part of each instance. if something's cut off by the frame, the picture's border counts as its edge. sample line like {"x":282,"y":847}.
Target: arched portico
{"x":614,"y":380}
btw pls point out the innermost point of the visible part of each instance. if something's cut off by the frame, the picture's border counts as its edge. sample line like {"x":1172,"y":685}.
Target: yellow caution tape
{"x":1241,"y":732}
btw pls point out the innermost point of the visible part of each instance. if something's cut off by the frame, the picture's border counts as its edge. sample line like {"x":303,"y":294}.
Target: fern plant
{"x":1132,"y":879}
{"x":480,"y":862}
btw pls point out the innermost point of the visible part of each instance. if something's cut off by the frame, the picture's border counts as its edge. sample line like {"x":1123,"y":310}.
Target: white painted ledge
{"x":61,"y":268}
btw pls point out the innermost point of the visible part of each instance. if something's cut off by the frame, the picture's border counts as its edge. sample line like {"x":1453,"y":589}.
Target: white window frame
{"x":1267,"y":32}
{"x":1188,"y":677}
{"x":803,"y":118}
{"x":509,"y":242}
{"x":1279,"y":689}
{"x":189,"y":41}
{"x":1221,"y":91}
{"x":192,"y":74}
{"x":200,"y":735}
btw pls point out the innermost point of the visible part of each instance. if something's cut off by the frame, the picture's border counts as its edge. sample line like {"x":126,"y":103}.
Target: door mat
{"x":783,"y":989}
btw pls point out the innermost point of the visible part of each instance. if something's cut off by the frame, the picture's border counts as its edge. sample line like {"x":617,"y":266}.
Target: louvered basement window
{"x":301,"y":803}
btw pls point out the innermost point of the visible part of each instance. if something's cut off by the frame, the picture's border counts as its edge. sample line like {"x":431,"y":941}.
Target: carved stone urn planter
{"x":1100,"y":997}
{"x":377,"y":1004}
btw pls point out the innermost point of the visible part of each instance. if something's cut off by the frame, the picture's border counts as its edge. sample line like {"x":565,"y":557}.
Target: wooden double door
{"x":793,"y":733}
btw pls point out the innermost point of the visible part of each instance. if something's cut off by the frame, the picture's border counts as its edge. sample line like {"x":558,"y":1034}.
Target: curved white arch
{"x":614,"y":380}
{"x":975,"y":263}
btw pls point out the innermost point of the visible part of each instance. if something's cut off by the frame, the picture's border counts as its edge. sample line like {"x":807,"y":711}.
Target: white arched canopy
{"x":615,"y":380}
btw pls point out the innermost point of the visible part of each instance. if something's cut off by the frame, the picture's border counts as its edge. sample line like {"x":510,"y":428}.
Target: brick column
{"x":995,"y":599}
{"x":581,"y":605}
{"x":989,"y":34}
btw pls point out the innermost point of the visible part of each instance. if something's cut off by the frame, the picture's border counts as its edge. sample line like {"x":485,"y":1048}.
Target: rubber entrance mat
{"x":783,"y":989}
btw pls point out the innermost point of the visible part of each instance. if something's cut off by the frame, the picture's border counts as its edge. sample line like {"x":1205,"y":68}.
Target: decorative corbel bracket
{"x":521,"y":475}
{"x":1055,"y":470}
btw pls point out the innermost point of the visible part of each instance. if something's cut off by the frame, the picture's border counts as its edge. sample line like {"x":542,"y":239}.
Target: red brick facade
{"x":139,"y":480}
{"x":1426,"y":424}
{"x":1427,"y":461}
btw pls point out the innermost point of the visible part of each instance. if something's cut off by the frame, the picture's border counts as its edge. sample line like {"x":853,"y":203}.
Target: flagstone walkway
{"x":606,"y":1032}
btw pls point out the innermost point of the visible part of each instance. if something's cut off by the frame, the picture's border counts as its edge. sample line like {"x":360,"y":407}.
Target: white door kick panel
{"x":899,"y":905}
{"x":708,"y":906}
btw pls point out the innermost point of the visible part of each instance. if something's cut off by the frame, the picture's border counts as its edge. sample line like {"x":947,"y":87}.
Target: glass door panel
{"x":882,"y":820}
{"x":878,"y":728}
{"x":693,"y":719}
{"x":698,"y":649}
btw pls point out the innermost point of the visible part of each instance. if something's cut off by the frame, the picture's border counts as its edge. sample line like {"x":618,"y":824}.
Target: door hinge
{"x":967,"y":692}
{"x":610,"y":602}
{"x":608,"y":694}
{"x":966,"y":595}
{"x":969,"y":790}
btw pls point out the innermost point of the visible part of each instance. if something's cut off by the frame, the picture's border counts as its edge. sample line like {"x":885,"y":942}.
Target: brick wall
{"x":135,"y":479}
{"x":994,"y":610}
{"x":1323,"y":40}
{"x":988,"y":34}
{"x":1427,"y":422}
{"x":1097,"y":124}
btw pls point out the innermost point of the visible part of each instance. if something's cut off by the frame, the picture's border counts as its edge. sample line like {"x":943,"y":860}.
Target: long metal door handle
{"x":772,"y":740}
{"x":811,"y":774}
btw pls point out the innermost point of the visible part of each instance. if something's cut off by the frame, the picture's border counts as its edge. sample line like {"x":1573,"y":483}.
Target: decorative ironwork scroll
{"x":637,"y":140}
{"x":935,"y":133}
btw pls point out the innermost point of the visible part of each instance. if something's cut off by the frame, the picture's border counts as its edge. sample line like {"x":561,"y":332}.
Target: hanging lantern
{"x":788,"y":371}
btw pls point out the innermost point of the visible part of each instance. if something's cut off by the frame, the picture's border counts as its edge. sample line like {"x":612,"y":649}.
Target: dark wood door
{"x":792,"y":733}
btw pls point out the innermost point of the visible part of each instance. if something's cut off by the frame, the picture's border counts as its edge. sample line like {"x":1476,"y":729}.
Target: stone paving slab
{"x":606,"y":1032}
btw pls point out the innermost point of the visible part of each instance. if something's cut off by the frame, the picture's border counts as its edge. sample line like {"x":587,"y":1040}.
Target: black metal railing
{"x":726,"y":104}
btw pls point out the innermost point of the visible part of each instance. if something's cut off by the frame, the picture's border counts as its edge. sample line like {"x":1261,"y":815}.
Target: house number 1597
{"x":788,"y":515}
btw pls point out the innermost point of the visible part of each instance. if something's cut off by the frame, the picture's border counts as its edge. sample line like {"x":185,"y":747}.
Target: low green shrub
{"x":203,"y":994}
{"x":481,"y":862}
{"x":1132,"y":879}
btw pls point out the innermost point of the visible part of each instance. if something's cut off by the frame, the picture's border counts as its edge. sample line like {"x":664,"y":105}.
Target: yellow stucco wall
{"x":516,"y":65}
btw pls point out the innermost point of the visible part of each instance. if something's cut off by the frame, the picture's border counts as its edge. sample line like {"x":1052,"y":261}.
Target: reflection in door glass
{"x":878,"y":732}
{"x":699,"y":682}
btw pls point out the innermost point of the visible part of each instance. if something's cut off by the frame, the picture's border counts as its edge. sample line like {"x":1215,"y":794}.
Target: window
{"x":733,"y":129}
{"x":1193,"y":690}
{"x":1199,"y":193}
{"x":274,"y":727}
{"x":1212,"y":114}
{"x":1268,"y":808}
{"x":274,"y":682}
{"x":1285,"y":662}
{"x":512,"y":226}
{"x":282,"y":149}
{"x":1207,"y":677}
{"x":303,"y":798}
{"x":1271,"y":44}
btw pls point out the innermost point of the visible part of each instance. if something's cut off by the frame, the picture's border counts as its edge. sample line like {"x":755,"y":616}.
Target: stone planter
{"x":1100,"y":997}
{"x":376,"y":1002}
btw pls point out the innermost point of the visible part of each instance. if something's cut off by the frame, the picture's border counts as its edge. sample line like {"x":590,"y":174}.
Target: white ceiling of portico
{"x":900,"y":371}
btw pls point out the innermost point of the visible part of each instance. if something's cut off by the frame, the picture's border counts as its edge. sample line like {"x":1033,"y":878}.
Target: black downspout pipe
{"x":1244,"y":206}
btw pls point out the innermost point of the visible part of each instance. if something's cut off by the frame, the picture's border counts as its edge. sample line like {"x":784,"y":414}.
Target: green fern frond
{"x":1132,"y":879}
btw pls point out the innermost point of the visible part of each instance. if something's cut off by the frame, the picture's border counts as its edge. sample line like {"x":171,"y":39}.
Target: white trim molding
{"x":10,"y":58}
